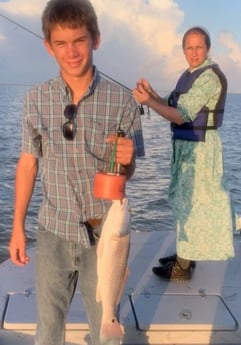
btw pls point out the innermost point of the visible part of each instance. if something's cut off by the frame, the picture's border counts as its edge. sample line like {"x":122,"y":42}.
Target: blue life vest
{"x":196,"y":130}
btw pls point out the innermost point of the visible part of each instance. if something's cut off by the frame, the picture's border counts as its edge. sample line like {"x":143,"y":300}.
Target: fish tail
{"x":110,"y":331}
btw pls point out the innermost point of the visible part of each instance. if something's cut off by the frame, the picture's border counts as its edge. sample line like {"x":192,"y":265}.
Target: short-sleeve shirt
{"x":68,"y":168}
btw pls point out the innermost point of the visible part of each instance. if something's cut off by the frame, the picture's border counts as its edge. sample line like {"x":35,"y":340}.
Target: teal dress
{"x":201,"y":204}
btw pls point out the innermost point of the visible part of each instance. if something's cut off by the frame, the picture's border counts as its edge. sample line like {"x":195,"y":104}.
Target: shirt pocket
{"x":95,"y":136}
{"x":52,"y":142}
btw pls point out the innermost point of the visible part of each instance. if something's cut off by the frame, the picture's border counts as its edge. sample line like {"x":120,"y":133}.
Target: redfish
{"x":112,"y":270}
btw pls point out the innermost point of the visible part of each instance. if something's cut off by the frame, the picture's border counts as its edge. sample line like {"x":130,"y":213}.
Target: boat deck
{"x":205,"y":310}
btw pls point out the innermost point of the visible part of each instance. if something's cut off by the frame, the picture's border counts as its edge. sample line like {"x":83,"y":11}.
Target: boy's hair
{"x":201,"y":30}
{"x":71,"y":14}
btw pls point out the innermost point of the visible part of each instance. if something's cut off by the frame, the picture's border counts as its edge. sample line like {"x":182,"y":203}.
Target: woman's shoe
{"x":166,"y":259}
{"x":173,"y":257}
{"x":172,"y":271}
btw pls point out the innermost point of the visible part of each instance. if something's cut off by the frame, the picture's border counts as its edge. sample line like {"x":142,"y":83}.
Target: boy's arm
{"x":26,"y":172}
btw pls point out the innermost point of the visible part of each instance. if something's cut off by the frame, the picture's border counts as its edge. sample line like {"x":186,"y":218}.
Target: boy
{"x":69,"y":124}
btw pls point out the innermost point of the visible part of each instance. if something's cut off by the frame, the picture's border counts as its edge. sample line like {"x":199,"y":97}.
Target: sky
{"x":139,"y":38}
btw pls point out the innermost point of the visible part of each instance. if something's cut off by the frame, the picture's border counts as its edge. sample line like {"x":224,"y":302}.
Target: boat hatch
{"x":181,"y":312}
{"x":21,"y":313}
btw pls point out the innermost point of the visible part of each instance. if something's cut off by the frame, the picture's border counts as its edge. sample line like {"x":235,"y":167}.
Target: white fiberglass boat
{"x":204,"y":310}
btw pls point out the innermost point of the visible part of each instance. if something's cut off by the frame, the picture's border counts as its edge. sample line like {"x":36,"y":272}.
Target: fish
{"x":112,"y":267}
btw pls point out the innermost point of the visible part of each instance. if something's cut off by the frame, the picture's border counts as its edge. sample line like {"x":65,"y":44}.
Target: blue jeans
{"x":59,"y":266}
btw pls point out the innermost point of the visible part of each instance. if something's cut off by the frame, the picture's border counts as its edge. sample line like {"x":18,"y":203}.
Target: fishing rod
{"x":20,"y":26}
{"x":119,"y":132}
{"x":40,"y":37}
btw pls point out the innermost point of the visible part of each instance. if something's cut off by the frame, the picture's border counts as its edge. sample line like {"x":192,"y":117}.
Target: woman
{"x":200,"y":203}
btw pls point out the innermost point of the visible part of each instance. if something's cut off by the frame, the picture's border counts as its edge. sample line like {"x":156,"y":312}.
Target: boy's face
{"x":73,"y":50}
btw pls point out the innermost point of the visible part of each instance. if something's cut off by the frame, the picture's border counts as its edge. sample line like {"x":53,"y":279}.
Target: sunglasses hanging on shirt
{"x":69,"y":127}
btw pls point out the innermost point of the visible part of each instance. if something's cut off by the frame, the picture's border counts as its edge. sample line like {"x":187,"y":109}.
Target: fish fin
{"x":110,"y":331}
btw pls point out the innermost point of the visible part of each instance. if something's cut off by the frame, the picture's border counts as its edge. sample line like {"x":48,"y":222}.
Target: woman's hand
{"x":144,"y":93}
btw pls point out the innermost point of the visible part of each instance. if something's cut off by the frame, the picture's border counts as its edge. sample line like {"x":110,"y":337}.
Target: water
{"x":148,"y":188}
{"x":10,"y":145}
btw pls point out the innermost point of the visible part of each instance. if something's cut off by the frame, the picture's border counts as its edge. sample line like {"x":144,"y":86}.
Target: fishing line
{"x":21,"y":26}
{"x":41,"y":38}
{"x":141,"y":109}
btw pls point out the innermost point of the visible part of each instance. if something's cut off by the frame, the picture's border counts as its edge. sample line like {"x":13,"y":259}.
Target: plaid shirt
{"x":69,"y":167}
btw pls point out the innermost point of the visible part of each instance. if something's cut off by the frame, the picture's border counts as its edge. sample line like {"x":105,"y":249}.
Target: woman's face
{"x":195,"y":49}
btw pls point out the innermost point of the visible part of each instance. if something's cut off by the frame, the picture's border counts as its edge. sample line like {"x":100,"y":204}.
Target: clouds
{"x":143,"y":36}
{"x":145,"y":22}
{"x":140,"y":38}
{"x":230,"y":60}
{"x":2,"y":37}
{"x":23,"y":58}
{"x":26,"y":8}
{"x":234,"y":49}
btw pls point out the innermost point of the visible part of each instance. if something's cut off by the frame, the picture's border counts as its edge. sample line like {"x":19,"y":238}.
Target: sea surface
{"x":147,"y":190}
